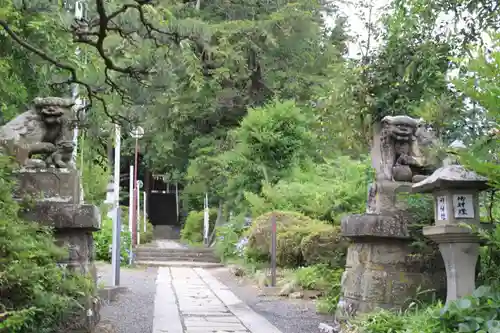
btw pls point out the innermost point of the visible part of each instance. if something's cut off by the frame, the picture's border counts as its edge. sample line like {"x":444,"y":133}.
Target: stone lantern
{"x":456,"y":194}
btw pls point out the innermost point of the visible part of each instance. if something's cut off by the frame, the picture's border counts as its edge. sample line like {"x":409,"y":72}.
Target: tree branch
{"x":73,"y":75}
{"x":94,"y":34}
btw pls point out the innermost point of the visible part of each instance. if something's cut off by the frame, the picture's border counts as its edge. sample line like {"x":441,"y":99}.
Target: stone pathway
{"x":191,"y":300}
{"x":167,"y":244}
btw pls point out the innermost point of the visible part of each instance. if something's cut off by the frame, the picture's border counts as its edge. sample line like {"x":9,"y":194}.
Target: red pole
{"x":134,"y":206}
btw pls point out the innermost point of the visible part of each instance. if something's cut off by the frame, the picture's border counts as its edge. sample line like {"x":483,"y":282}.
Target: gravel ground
{"x":133,"y":311}
{"x":288,"y":315}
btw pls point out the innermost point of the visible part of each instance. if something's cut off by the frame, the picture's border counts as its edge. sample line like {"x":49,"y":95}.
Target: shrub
{"x":103,"y":240}
{"x":36,"y":294}
{"x":324,"y":245}
{"x":227,"y":240}
{"x":94,"y":180}
{"x":288,"y":252}
{"x":268,"y":142}
{"x":124,"y":215}
{"x":259,"y":234}
{"x":192,"y":231}
{"x":145,"y":237}
{"x":148,"y":236}
{"x":298,"y":237}
{"x":489,"y":263}
{"x":321,"y":191}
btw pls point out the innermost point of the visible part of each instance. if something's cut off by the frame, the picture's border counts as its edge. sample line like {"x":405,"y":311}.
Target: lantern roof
{"x":451,"y":177}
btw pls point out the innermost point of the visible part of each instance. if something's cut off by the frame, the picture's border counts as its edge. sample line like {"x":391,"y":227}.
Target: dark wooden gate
{"x":162,"y":202}
{"x":162,"y":209}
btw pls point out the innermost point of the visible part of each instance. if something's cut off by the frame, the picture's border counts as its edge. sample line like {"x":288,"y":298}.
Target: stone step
{"x":166,"y":232}
{"x":180,"y":250}
{"x":189,"y":264}
{"x":176,"y":258}
{"x":168,"y":251}
{"x":174,"y":255}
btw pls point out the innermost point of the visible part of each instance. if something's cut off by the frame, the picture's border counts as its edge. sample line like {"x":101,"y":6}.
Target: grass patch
{"x":321,"y":278}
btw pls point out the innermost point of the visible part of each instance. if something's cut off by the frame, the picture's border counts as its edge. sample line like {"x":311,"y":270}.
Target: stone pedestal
{"x":56,"y":203}
{"x":381,"y":269}
{"x":53,"y":185}
{"x":460,"y":251}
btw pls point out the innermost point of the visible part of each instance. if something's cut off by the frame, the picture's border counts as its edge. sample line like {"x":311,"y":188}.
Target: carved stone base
{"x":381,"y":269}
{"x":57,"y":196}
{"x":49,"y":184}
{"x":60,"y":215}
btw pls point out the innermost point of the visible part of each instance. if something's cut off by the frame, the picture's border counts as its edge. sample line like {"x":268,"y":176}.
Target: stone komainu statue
{"x":398,"y":157}
{"x":402,"y":140}
{"x":44,"y":129}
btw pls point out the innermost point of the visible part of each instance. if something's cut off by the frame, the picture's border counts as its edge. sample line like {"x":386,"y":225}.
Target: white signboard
{"x":442,"y":208}
{"x":463,"y":206}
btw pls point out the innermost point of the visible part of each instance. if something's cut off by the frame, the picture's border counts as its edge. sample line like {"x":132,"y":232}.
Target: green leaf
{"x":481,"y":291}
{"x":464,"y":303}
{"x":493,"y":326}
{"x":462,"y":327}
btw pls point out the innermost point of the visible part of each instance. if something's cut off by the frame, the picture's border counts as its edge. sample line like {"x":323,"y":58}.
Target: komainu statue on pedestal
{"x":54,"y":185}
{"x":45,"y":129}
{"x":382,"y":268}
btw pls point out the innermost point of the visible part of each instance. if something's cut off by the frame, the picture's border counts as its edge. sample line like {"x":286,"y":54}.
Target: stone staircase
{"x":164,"y":232}
{"x":170,"y":253}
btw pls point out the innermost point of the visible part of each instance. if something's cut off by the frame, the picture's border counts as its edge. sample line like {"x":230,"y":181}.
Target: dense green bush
{"x":265,"y":147}
{"x":124,"y":215}
{"x":103,"y":240}
{"x":288,"y":253}
{"x":324,"y":191}
{"x":324,"y":245}
{"x":36,"y":294}
{"x":148,"y":236}
{"x":227,"y":238}
{"x":192,"y":230}
{"x":259,"y":234}
{"x":95,"y":178}
{"x":296,"y":234}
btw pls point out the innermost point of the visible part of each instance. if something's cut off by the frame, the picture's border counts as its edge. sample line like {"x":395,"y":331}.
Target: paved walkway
{"x":191,"y":300}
